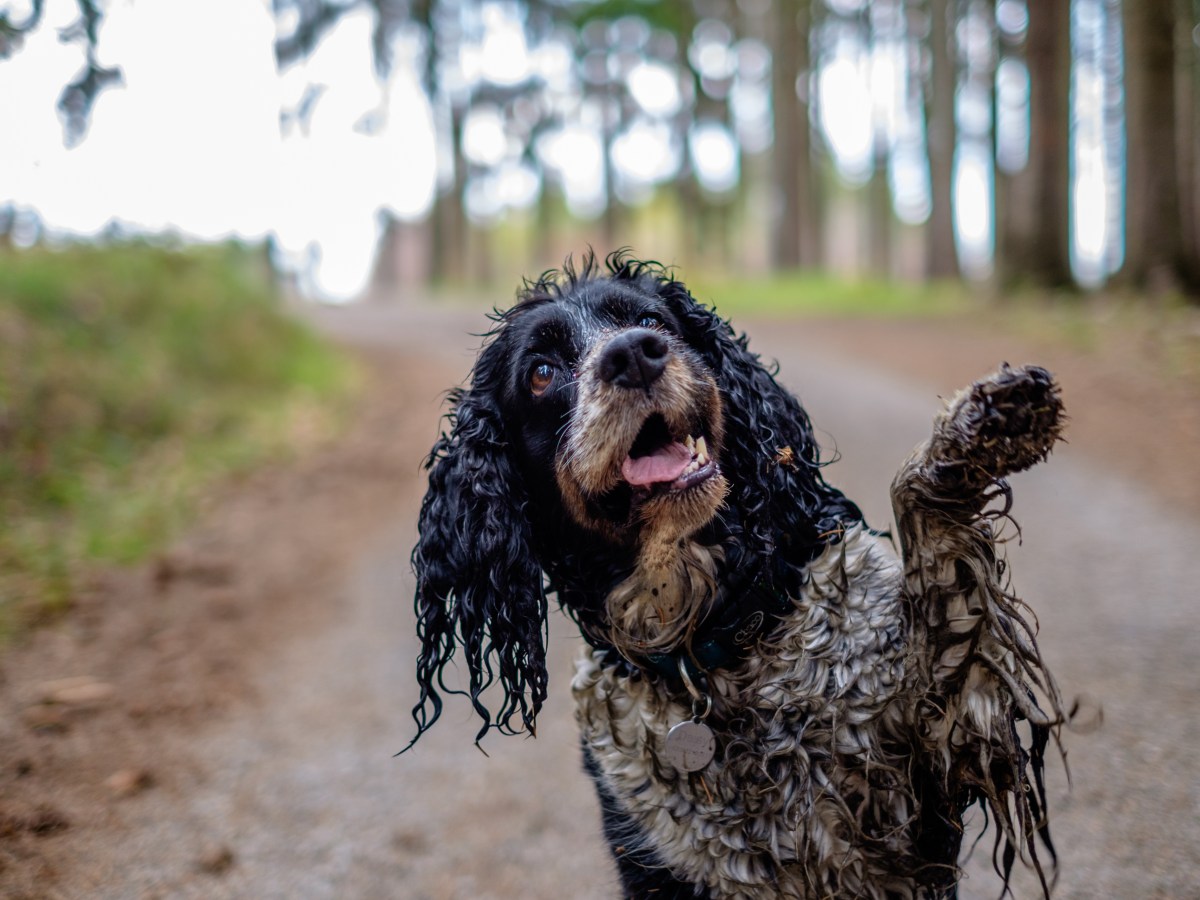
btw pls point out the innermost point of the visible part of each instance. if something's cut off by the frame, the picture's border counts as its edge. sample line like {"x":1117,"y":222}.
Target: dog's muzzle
{"x":647,"y":427}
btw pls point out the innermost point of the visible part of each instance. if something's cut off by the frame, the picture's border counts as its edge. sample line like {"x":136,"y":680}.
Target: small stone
{"x":216,"y":860}
{"x":226,"y":606}
{"x":83,"y":690}
{"x":128,"y":782}
{"x":44,"y":718}
{"x":203,"y":569}
{"x":45,"y":820}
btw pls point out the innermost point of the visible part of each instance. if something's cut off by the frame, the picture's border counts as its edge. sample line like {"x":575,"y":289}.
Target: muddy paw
{"x":1000,"y":424}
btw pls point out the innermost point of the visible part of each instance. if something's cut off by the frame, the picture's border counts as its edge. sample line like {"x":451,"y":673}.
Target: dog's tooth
{"x":702,"y":448}
{"x":690,"y":443}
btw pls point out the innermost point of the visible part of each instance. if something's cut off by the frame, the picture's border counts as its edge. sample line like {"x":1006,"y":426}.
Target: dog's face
{"x":609,"y":416}
{"x":609,"y":400}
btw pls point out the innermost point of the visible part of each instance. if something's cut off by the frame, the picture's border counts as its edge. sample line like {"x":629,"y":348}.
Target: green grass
{"x":132,"y":378}
{"x":787,"y":294}
{"x":1159,"y":335}
{"x":1160,"y":332}
{"x":814,"y":294}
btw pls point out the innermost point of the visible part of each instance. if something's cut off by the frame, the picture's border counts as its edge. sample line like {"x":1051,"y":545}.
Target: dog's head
{"x":607,"y":412}
{"x":608,"y":397}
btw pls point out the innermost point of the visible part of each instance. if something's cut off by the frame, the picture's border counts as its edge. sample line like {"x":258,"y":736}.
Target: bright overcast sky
{"x":192,"y":142}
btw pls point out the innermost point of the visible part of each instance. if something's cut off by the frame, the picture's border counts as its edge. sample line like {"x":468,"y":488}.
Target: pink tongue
{"x":666,"y":464}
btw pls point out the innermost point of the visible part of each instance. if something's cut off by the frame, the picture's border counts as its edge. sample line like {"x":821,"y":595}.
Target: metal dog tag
{"x":690,"y":746}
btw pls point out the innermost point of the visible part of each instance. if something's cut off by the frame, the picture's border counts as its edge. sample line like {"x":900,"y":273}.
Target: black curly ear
{"x":479,"y":587}
{"x":785,"y":505}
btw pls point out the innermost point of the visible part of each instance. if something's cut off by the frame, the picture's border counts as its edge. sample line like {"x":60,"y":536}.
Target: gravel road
{"x":294,"y":793}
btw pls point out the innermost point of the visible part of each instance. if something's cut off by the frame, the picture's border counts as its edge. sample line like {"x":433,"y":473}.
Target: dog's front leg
{"x":975,"y":655}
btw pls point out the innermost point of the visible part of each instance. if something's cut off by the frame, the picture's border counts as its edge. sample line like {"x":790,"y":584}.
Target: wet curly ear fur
{"x":479,"y":587}
{"x":787,"y":510}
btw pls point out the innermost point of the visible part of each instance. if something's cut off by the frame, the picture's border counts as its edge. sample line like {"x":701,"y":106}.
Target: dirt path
{"x":250,"y":688}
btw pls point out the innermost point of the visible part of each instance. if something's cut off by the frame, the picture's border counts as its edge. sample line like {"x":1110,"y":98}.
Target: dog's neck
{"x":658,"y":606}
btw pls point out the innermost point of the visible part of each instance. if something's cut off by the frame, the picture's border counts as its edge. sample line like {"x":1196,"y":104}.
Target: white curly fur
{"x":817,"y":704}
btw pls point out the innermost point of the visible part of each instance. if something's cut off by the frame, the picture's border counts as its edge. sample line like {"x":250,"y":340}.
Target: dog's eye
{"x":540,"y":379}
{"x":650,"y":321}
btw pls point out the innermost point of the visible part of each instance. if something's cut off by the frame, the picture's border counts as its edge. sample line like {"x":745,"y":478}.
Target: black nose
{"x":634,"y":359}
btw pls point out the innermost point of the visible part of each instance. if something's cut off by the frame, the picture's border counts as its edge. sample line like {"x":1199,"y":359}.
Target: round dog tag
{"x":690,"y":746}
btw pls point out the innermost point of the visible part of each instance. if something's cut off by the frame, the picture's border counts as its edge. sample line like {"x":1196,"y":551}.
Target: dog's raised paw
{"x":1001,"y":424}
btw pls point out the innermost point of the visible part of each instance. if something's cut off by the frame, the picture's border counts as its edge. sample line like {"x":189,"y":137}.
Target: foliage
{"x":677,"y":18}
{"x":131,"y":378}
{"x":79,"y":96}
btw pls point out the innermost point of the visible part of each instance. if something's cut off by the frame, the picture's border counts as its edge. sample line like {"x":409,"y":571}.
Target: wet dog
{"x":772,"y":701}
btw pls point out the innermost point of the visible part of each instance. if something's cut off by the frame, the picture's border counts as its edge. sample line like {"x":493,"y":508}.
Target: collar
{"x":747,"y":609}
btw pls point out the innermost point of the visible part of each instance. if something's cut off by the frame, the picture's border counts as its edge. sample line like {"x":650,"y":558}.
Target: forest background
{"x":390,"y":144}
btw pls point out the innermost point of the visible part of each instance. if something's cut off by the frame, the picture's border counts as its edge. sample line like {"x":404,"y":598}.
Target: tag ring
{"x":701,"y":702}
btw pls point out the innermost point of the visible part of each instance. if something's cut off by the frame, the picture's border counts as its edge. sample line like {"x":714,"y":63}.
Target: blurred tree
{"x":301,"y":25}
{"x":1036,"y":235}
{"x":1009,"y":50}
{"x":599,"y":65}
{"x":1187,"y":49}
{"x":696,"y":41}
{"x":1156,"y":255}
{"x":448,"y":225}
{"x":8,"y":219}
{"x":707,"y":219}
{"x":882,"y":25}
{"x":941,"y":254}
{"x":795,"y":236}
{"x":79,"y":96}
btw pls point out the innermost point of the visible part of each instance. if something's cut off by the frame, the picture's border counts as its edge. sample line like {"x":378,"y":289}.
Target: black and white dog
{"x":772,"y":702}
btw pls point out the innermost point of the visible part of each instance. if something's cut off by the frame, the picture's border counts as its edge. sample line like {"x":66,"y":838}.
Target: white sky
{"x":192,"y":142}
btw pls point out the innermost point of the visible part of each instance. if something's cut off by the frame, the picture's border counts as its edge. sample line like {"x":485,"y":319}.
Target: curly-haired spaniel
{"x":772,"y":701}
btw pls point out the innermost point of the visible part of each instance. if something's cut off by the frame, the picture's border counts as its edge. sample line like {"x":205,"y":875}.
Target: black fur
{"x":642,"y":873}
{"x":492,"y":523}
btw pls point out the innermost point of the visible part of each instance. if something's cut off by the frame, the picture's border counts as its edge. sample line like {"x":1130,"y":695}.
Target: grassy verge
{"x":1157,"y":334}
{"x":1160,"y":333}
{"x":788,"y":294}
{"x":131,"y":378}
{"x":817,"y":294}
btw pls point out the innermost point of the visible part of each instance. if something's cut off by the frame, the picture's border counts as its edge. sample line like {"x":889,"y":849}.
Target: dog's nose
{"x":634,"y":359}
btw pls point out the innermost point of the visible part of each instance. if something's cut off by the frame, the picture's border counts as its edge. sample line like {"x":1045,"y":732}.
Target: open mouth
{"x":662,"y":462}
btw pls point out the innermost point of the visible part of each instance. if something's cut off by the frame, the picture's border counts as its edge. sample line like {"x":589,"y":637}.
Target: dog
{"x":772,"y":701}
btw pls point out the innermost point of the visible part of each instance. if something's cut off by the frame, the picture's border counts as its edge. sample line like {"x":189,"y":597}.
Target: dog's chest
{"x":807,"y":729}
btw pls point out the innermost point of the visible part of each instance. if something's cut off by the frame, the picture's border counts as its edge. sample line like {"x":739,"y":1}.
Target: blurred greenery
{"x":132,"y":377}
{"x":806,"y":293}
{"x":1159,"y":335}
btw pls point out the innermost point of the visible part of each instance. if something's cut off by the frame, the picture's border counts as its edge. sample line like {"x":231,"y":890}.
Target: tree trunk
{"x":879,"y":213}
{"x":1001,"y":200}
{"x":544,"y":250}
{"x":795,"y":237}
{"x":450,"y":223}
{"x":1039,"y":248}
{"x":691,"y":235}
{"x":941,"y":255}
{"x":1187,"y":108}
{"x":1153,"y":220}
{"x":615,"y":235}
